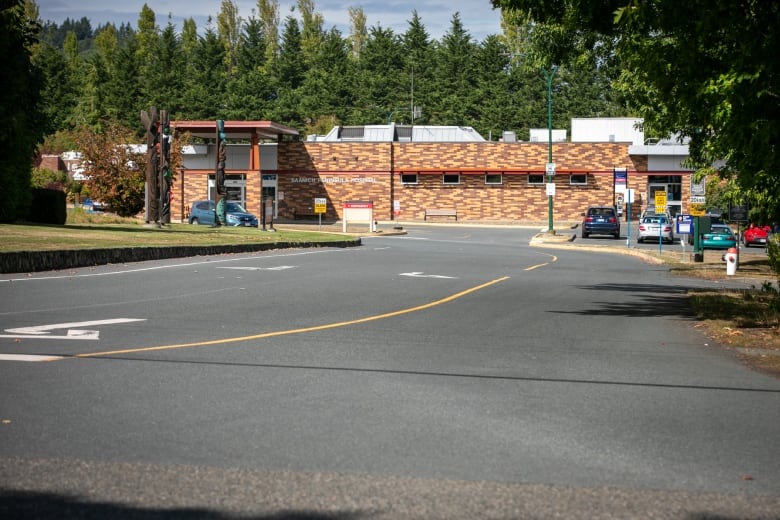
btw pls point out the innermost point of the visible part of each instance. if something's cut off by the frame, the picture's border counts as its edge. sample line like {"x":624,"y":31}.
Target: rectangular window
{"x":408,"y":178}
{"x":578,"y":179}
{"x":535,"y":178}
{"x":494,"y":178}
{"x":451,"y":178}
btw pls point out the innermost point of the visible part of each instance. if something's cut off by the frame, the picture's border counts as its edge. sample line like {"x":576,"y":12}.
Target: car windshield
{"x":654,"y":220}
{"x":721,"y":229}
{"x":235,"y":207}
{"x":601,"y":211}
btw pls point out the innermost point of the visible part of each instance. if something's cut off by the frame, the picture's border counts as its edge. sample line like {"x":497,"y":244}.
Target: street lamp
{"x":549,"y":75}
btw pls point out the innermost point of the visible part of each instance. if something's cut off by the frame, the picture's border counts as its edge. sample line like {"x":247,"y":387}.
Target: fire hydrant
{"x":732,"y":261}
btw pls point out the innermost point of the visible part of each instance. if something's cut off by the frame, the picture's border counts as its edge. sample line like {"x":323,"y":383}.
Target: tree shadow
{"x":29,"y":505}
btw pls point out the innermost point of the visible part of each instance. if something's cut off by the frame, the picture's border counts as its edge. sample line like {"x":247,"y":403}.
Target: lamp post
{"x":549,"y":75}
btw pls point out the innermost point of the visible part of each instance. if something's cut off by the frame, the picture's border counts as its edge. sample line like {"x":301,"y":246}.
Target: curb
{"x":32,"y":261}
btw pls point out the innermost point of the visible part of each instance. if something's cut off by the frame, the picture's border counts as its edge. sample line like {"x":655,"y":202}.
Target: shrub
{"x":48,"y":207}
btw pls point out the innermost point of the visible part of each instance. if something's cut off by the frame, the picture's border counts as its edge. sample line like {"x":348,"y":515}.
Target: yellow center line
{"x":537,"y":266}
{"x":297,"y":331}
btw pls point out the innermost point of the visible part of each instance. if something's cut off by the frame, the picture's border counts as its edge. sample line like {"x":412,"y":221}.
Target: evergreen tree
{"x":455,"y":77}
{"x":20,"y":109}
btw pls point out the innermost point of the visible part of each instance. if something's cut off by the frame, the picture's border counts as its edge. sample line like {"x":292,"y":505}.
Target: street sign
{"x":549,"y":168}
{"x":684,"y":225}
{"x":698,"y":199}
{"x":660,"y":201}
{"x":320,"y":205}
{"x":697,"y":210}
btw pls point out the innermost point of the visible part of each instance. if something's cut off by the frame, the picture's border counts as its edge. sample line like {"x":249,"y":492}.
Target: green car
{"x":720,"y":237}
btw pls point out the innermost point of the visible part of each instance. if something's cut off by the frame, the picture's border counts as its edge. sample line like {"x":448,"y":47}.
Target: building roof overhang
{"x":235,"y":129}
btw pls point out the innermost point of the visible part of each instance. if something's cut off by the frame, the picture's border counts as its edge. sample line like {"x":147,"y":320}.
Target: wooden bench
{"x":441,"y":213}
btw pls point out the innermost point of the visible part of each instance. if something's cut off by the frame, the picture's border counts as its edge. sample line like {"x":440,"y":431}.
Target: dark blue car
{"x":601,"y":220}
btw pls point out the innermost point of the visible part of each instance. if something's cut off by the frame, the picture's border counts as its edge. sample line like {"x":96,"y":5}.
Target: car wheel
{"x":640,"y":240}
{"x":194,"y":220}
{"x":584,"y":235}
{"x":617,"y":236}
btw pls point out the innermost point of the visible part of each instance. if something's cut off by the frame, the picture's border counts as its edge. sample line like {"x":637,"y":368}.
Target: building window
{"x":535,"y":178}
{"x":578,"y":179}
{"x":494,"y":178}
{"x":408,"y":178}
{"x":451,"y":178}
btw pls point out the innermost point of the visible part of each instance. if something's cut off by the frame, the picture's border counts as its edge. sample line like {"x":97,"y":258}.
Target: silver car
{"x":655,"y":227}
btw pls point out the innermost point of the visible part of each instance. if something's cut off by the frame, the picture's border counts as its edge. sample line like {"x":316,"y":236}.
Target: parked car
{"x":601,"y":220}
{"x":203,"y":213}
{"x":756,"y":235}
{"x":656,"y":227}
{"x":650,"y":212}
{"x":720,"y":237}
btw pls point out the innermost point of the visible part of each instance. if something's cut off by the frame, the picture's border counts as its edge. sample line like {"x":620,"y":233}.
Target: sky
{"x":478,"y":17}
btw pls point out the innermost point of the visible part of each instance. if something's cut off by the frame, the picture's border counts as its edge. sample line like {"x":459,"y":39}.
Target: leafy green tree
{"x":268,"y":14}
{"x":358,"y":32}
{"x":20,"y":108}
{"x":705,"y":70}
{"x":116,"y":171}
{"x":229,"y":31}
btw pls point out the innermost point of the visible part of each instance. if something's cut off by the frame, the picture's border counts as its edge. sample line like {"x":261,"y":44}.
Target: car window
{"x":203,"y":206}
{"x":234,"y":207}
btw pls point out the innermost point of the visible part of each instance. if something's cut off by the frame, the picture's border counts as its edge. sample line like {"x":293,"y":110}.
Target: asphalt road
{"x":450,"y":373}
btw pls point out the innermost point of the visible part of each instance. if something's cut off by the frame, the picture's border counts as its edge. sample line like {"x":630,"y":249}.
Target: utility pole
{"x":550,"y":169}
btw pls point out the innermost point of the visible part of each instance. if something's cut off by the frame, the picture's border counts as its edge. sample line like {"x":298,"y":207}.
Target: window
{"x":535,"y":178}
{"x":494,"y":178}
{"x":451,"y":178}
{"x":408,"y":178}
{"x":579,"y":179}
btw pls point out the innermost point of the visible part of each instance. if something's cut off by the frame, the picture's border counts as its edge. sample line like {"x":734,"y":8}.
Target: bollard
{"x":731,"y":262}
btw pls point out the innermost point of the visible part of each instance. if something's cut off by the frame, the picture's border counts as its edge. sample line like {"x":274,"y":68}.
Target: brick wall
{"x":346,"y":171}
{"x":372,"y":171}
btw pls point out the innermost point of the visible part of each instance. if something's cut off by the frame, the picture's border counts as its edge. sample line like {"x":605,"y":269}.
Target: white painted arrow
{"x":42,"y":331}
{"x":419,"y":274}
{"x":278,"y":268}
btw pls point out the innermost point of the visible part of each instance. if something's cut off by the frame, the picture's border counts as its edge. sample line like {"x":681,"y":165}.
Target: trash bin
{"x":731,"y":261}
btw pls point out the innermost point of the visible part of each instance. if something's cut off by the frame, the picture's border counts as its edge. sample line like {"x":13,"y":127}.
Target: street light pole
{"x":548,"y":75}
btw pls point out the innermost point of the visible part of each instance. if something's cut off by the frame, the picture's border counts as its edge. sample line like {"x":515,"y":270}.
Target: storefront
{"x":481,"y":180}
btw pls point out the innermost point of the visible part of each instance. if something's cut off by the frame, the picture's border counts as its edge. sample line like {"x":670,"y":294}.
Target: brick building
{"x":406,"y":170}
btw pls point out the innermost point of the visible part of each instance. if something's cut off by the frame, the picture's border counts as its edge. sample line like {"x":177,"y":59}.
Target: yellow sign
{"x":660,"y":200}
{"x":697,"y":210}
{"x":320,"y":205}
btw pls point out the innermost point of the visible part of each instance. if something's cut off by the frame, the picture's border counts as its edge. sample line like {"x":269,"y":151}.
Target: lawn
{"x":109,"y":232}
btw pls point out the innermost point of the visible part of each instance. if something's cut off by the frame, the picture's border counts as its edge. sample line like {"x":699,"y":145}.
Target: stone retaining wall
{"x":32,"y":261}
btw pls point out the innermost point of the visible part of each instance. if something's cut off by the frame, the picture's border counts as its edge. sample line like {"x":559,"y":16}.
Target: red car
{"x":755,"y":235}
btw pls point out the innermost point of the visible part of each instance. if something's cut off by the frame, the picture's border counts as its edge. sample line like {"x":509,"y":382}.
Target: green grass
{"x":93,"y":231}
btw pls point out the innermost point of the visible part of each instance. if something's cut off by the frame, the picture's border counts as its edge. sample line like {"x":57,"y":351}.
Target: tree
{"x":229,"y":32}
{"x":20,"y":108}
{"x":456,"y":78}
{"x":705,"y":70}
{"x":115,"y":169}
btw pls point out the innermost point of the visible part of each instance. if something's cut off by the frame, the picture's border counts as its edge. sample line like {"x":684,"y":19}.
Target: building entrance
{"x":673,"y":192}
{"x":269,"y":190}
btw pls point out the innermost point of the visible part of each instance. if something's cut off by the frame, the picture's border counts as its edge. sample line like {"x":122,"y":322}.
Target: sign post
{"x":320,"y":206}
{"x":660,"y":208}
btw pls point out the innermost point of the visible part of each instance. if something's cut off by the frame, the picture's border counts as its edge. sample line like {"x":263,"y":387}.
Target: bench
{"x":305,"y":214}
{"x":441,"y":213}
